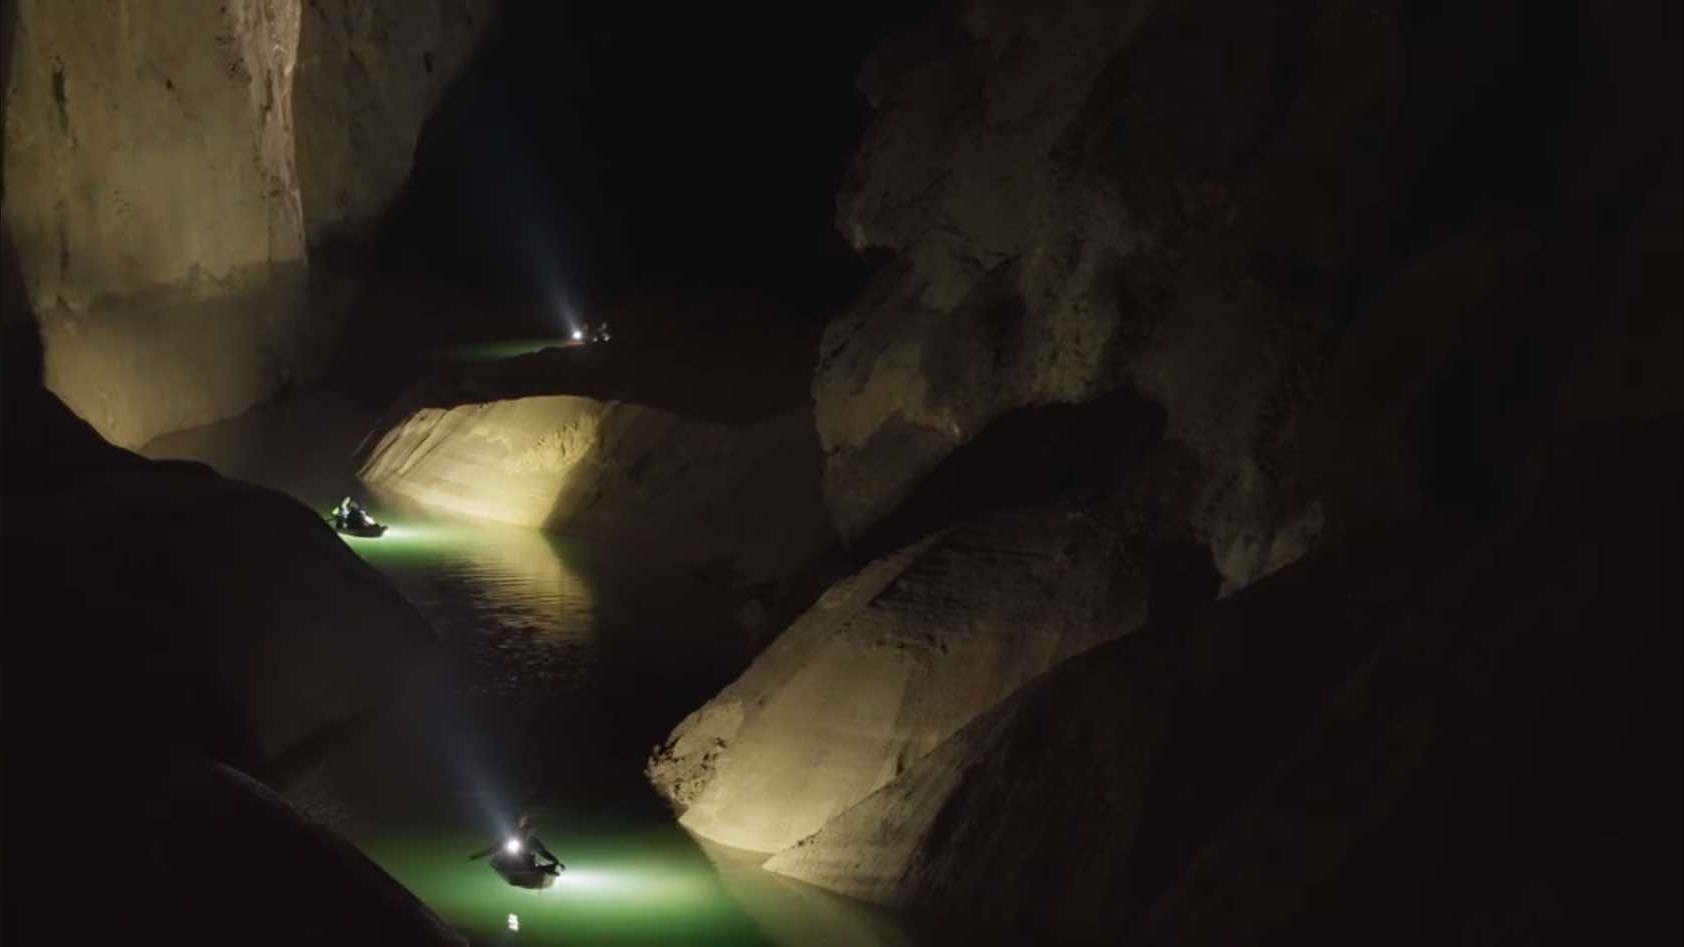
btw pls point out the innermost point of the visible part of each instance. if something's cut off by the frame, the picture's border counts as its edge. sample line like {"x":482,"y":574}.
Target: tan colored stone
{"x":887,"y":665}
{"x":169,"y":162}
{"x":670,"y":488}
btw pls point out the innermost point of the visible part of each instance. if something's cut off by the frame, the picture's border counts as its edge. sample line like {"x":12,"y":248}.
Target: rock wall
{"x":1200,"y":202}
{"x":369,"y":73}
{"x":1403,"y":281}
{"x":680,"y":490}
{"x":1410,"y":737}
{"x":256,"y":652}
{"x":887,"y":665}
{"x":160,"y":617}
{"x":162,"y":164}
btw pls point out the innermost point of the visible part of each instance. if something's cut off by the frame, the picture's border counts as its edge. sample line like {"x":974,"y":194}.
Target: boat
{"x":523,"y":874}
{"x":369,"y":530}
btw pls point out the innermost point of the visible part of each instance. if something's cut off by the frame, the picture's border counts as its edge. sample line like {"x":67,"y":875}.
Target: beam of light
{"x":647,"y":886}
{"x":593,"y":880}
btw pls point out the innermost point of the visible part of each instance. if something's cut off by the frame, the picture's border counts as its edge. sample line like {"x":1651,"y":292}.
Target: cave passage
{"x":559,"y":668}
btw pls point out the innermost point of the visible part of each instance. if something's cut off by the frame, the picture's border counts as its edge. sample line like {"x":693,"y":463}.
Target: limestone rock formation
{"x":369,"y":73}
{"x":213,"y":815}
{"x":1348,"y":745}
{"x":737,"y":501}
{"x":161,"y":163}
{"x":1052,"y":248}
{"x":1407,"y":292}
{"x":1200,"y":201}
{"x":689,"y":443}
{"x":164,"y":625}
{"x":887,"y":665}
{"x":229,"y":613}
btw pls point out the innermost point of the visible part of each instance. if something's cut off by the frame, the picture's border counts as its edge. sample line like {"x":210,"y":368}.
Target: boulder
{"x":687,"y":443}
{"x":223,"y":615}
{"x":228,"y":843}
{"x":673,"y":489}
{"x":164,"y":626}
{"x":207,"y":855}
{"x":888,"y":664}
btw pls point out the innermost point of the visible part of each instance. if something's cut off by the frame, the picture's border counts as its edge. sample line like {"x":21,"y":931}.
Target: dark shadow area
{"x":734,"y":358}
{"x":593,"y":149}
{"x":1495,"y":140}
{"x":122,"y":659}
{"x":1025,"y":457}
{"x":1022,"y":457}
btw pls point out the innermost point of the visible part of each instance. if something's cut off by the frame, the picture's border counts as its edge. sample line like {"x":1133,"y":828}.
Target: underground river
{"x":559,"y":669}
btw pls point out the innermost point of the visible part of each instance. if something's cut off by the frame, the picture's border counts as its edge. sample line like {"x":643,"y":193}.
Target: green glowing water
{"x":562,"y":672}
{"x":625,"y":886}
{"x":558,"y":671}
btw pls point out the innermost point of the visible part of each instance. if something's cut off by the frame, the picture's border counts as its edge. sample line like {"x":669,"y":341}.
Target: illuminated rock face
{"x":151,"y":193}
{"x":887,"y":665}
{"x":1297,"y":760}
{"x":740,"y":501}
{"x":168,"y":166}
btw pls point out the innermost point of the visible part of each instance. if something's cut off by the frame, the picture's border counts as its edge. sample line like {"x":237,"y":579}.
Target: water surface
{"x":559,"y":669}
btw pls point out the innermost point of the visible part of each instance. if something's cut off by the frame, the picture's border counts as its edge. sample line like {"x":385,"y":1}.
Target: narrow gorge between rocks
{"x":889,"y":473}
{"x":558,"y":667}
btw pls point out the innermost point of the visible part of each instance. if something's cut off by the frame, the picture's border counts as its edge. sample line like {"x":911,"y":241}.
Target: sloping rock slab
{"x":888,"y":664}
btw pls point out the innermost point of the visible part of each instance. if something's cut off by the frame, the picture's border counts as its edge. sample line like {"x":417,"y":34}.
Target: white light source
{"x":578,"y":335}
{"x":512,"y":846}
{"x":514,"y":922}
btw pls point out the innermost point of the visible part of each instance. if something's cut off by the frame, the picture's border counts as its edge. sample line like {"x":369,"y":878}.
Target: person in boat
{"x":520,"y":851}
{"x":349,"y":515}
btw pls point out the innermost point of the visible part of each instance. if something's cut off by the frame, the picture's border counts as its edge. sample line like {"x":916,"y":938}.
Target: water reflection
{"x":792,"y":914}
{"x":508,"y":599}
{"x":559,"y":668}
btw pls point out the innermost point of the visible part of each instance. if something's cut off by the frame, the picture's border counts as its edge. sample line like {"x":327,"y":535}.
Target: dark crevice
{"x":60,"y":99}
{"x":1023,"y":457}
{"x":1496,"y":153}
